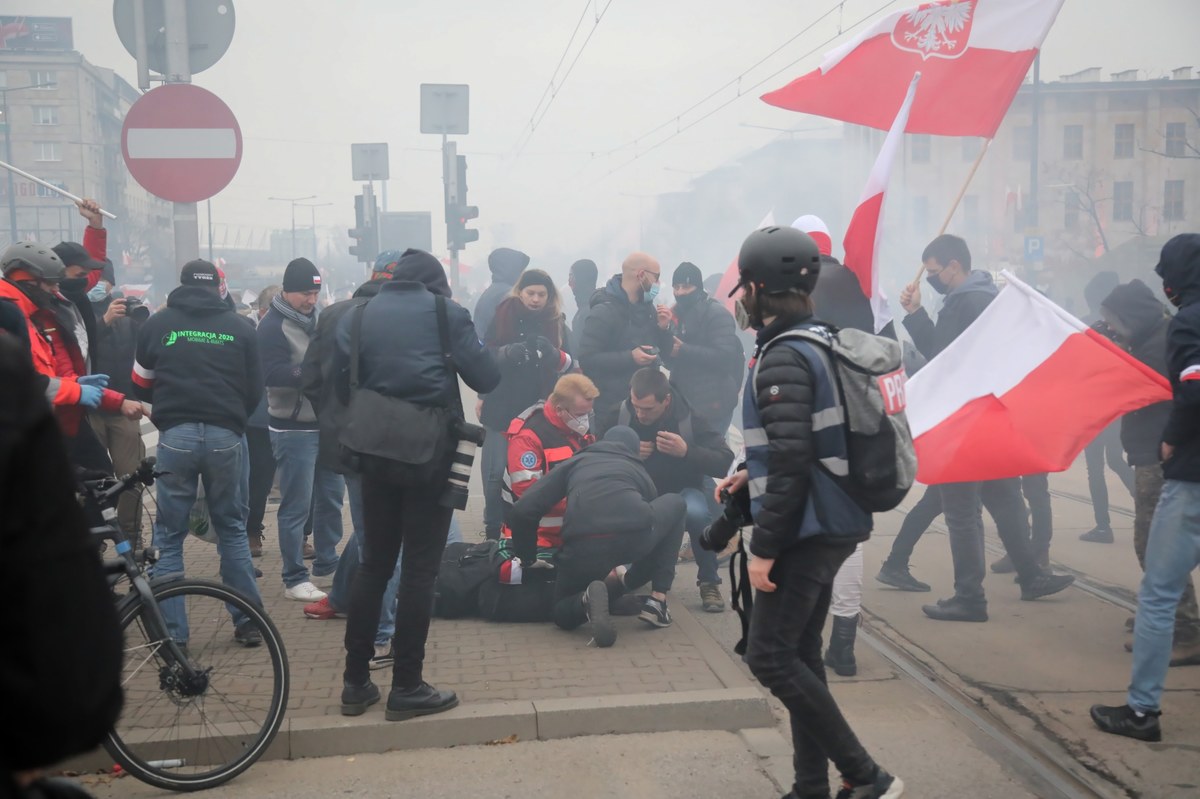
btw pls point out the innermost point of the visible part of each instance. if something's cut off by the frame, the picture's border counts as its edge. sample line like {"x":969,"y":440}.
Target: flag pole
{"x":954,"y":206}
{"x":50,"y":186}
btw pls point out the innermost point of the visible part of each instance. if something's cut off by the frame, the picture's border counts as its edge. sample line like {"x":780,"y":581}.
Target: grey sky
{"x":306,"y":78}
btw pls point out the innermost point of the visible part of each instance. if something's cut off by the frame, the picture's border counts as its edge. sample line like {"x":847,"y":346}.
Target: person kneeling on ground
{"x":613,"y":517}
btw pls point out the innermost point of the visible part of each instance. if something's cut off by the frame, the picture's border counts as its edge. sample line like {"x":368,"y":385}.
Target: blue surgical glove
{"x":93,"y":380}
{"x":89,"y":396}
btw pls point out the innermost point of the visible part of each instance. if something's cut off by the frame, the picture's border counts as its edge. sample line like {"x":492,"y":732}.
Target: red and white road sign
{"x":181,"y":143}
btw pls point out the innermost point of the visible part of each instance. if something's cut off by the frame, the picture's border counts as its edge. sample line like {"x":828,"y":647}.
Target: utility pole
{"x":185,"y":217}
{"x":1032,"y":211}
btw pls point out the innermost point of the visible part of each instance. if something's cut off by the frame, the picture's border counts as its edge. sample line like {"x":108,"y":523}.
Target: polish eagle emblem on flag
{"x":936,"y":30}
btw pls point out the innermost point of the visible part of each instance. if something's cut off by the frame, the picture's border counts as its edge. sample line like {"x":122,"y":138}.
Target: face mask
{"x":98,"y":293}
{"x":72,"y":285}
{"x":937,"y":285}
{"x":579,"y":424}
{"x":741,"y":315}
{"x":1172,"y":296}
{"x":687,"y":300}
{"x":650,"y":294}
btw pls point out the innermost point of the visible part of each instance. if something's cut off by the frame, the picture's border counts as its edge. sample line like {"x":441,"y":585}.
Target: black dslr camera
{"x":136,"y":309}
{"x":735,"y":515}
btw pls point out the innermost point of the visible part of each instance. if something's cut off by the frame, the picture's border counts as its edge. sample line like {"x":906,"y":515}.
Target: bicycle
{"x":200,"y":706}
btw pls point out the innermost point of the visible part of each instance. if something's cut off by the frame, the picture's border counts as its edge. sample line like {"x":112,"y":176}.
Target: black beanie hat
{"x":301,"y":275}
{"x":687,"y":274}
{"x":624,"y":436}
{"x":421,"y":267}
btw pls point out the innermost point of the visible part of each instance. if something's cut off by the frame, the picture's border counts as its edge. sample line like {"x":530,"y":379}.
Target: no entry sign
{"x":181,"y":143}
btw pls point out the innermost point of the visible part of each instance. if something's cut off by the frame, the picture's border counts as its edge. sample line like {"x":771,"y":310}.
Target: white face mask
{"x":740,"y":315}
{"x":579,"y":424}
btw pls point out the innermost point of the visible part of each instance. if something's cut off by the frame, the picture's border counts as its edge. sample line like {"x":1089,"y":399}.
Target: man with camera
{"x":805,"y":524}
{"x":682,"y":452}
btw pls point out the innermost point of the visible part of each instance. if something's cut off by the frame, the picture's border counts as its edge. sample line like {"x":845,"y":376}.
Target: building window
{"x":922,"y":148}
{"x":970,"y":148}
{"x":1123,"y":141}
{"x":1022,"y":143}
{"x":1173,"y":200}
{"x":1072,"y":142}
{"x":1071,"y":210}
{"x":45,"y":115}
{"x":1123,"y":201}
{"x":1176,"y":139}
{"x":920,"y":215}
{"x":48,"y":151}
{"x":44,"y":80}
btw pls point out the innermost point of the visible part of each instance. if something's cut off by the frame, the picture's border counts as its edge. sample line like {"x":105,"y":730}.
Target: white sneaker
{"x":323,"y":580}
{"x":304,"y":592}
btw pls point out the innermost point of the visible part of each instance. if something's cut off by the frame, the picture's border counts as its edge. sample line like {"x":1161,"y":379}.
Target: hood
{"x":1179,"y":268}
{"x":620,"y":440}
{"x":1099,"y":287}
{"x":979,"y":282}
{"x":369,"y":289}
{"x":611,"y":292}
{"x":1137,"y":308}
{"x":507,"y":265}
{"x":418,"y":266}
{"x":196,"y":300}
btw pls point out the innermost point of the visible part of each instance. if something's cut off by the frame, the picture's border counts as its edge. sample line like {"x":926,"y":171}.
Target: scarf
{"x":307,"y":323}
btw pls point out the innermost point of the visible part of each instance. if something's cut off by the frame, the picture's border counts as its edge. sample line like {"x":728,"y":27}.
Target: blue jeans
{"x":493,"y":462}
{"x":1172,"y":552}
{"x":303,"y":486}
{"x":189,"y":453}
{"x":701,"y":510}
{"x":339,"y":594}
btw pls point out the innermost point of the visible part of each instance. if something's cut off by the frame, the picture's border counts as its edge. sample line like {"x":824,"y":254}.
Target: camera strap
{"x":443,"y":323}
{"x":742,"y":593}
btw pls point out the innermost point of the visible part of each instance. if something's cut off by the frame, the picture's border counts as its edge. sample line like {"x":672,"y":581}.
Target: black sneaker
{"x":1124,"y":720}
{"x":383,"y":660}
{"x":955,"y":609}
{"x":885,"y":786}
{"x":1003,"y":566}
{"x":357,"y":698}
{"x":898,"y":576}
{"x":595,"y":604}
{"x":1098,"y":535}
{"x":1044,"y":585}
{"x":655,"y":613}
{"x":424,"y":700}
{"x":247,"y":634}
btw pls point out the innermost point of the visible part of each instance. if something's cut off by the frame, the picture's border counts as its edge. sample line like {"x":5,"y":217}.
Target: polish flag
{"x":731,"y":278}
{"x":1022,"y":391}
{"x":973,"y":55}
{"x":866,"y":226}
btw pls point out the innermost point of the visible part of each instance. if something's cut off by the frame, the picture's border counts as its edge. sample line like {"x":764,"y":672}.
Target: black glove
{"x":547,"y":350}
{"x":515,"y":353}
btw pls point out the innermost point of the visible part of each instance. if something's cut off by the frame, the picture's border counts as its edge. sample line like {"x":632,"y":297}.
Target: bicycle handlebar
{"x":144,"y":474}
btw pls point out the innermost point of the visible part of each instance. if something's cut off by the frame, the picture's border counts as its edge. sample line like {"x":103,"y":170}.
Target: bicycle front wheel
{"x":188,"y":733}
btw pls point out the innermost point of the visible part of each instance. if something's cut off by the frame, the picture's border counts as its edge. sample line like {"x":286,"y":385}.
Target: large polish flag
{"x":1022,"y":391}
{"x":973,"y":56}
{"x":731,"y":278}
{"x":863,"y":235}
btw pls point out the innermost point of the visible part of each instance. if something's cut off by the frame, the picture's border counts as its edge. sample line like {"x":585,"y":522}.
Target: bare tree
{"x":1191,"y":150}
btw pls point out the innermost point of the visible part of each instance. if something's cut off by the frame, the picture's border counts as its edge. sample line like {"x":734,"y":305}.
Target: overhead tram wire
{"x":743,"y":92}
{"x":553,"y":87}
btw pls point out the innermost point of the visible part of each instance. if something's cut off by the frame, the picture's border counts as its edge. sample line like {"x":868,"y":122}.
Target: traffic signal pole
{"x":449,"y":187}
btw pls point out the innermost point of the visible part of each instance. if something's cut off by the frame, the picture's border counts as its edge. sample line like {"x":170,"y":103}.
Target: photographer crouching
{"x":805,"y":525}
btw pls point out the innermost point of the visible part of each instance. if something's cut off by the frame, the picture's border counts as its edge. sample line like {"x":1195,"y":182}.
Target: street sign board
{"x":36,"y":33}
{"x":181,"y":143}
{"x":210,"y":26}
{"x":399,"y":230}
{"x":1034,"y":249}
{"x":445,"y":108}
{"x":369,"y":161}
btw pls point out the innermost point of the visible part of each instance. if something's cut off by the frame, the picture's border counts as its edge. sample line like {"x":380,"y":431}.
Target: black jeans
{"x":652,"y":557}
{"x":1036,"y":488}
{"x":1106,"y":447}
{"x":262,"y":476}
{"x":963,"y":505}
{"x":784,"y":653}
{"x":395,"y":516}
{"x":918,"y":520}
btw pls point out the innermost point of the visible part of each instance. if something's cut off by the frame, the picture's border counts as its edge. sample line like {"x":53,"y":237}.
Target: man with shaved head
{"x":625,"y":331}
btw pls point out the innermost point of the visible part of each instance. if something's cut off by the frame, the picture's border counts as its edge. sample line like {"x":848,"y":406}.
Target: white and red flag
{"x":866,"y":226}
{"x":1022,"y":391}
{"x":972,"y":54}
{"x":731,"y":278}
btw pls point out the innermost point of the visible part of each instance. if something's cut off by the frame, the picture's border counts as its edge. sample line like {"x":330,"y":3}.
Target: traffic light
{"x":365,"y":232}
{"x":458,"y":213}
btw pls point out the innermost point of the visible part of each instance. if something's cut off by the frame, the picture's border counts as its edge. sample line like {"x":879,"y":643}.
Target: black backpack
{"x":465,"y":567}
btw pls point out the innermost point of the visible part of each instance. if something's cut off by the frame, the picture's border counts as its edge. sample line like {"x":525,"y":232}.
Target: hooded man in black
{"x":582,"y":282}
{"x":506,"y":265}
{"x":614,"y":516}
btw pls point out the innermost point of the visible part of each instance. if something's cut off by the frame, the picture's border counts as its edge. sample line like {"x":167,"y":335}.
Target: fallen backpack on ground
{"x":465,"y":567}
{"x":867,"y":374}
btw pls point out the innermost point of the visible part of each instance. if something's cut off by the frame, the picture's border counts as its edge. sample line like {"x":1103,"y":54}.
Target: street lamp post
{"x":313,"y":207}
{"x":12,"y":197}
{"x":293,"y":201}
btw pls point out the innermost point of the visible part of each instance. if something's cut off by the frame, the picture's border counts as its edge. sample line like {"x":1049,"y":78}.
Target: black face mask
{"x":937,"y":285}
{"x":688,"y":300}
{"x":1173,"y":297}
{"x":73,"y":285}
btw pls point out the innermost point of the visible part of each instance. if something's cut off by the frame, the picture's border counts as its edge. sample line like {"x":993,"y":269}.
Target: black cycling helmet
{"x":36,"y":259}
{"x":778,"y":260}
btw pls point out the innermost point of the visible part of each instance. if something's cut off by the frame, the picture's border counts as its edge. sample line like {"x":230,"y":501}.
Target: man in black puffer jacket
{"x":625,"y":331}
{"x":1139,"y":321}
{"x":614,"y":516}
